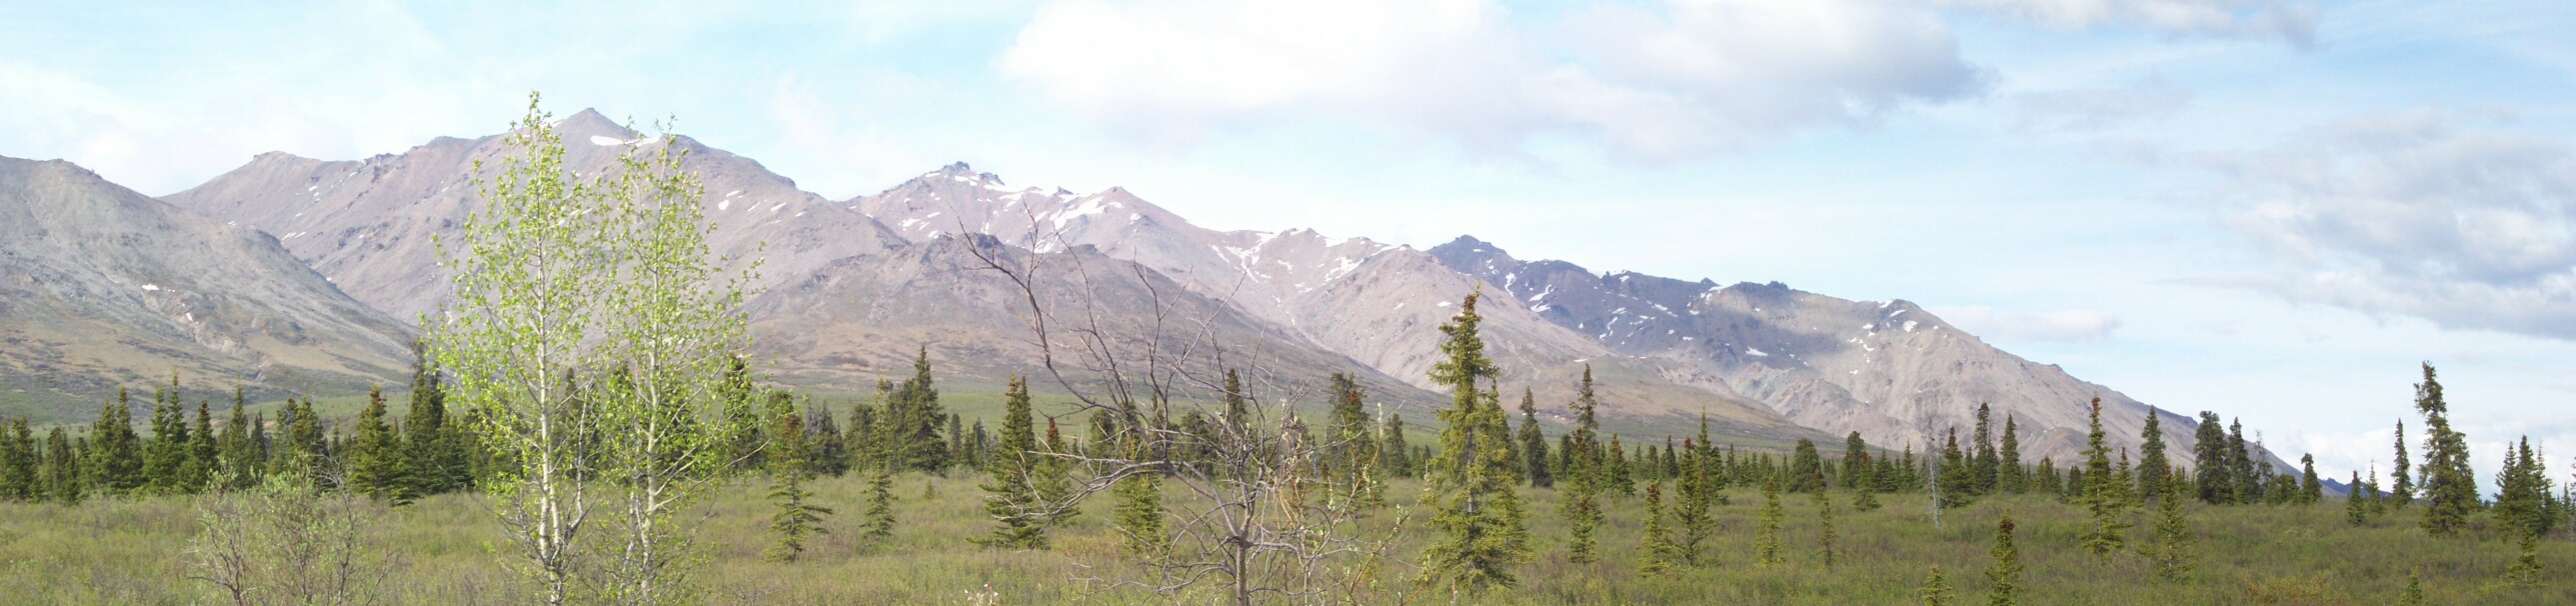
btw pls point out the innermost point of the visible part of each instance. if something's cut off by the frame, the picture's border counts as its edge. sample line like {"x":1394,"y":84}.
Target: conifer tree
{"x":1352,"y":450}
{"x":1011,"y":477}
{"x":2450,"y":487}
{"x":2401,"y":484}
{"x":2173,"y":549}
{"x":1656,"y":552}
{"x":240,"y":458}
{"x":1394,"y":455}
{"x":374,"y":460}
{"x":1691,"y":505}
{"x":2246,"y":476}
{"x":2153,"y":469}
{"x":1470,"y":481}
{"x":1825,"y":527}
{"x":1766,"y":540}
{"x":2215,"y":474}
{"x":203,"y":453}
{"x":2012,"y":477}
{"x":2003,"y":581}
{"x":18,"y":461}
{"x":1619,"y":476}
{"x":796,"y":519}
{"x":2048,"y":480}
{"x":62,"y":469}
{"x":1140,"y":514}
{"x":1957,"y":476}
{"x":829,"y":449}
{"x":1585,"y":458}
{"x":1983,"y":463}
{"x":115,"y":463}
{"x":1936,"y":590}
{"x":2103,"y":495}
{"x":1533,"y":444}
{"x":917,"y":416}
{"x":879,"y":519}
{"x":2310,"y":489}
{"x":1806,"y":468}
{"x":2356,"y":506}
{"x":1053,"y":471}
{"x":167,"y":451}
{"x":433,"y":461}
{"x":2525,"y":570}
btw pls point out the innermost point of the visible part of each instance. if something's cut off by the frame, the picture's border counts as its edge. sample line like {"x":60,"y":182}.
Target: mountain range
{"x":850,"y":290}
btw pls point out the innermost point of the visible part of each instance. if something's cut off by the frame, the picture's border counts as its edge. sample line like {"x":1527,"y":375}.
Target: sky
{"x":2271,"y":209}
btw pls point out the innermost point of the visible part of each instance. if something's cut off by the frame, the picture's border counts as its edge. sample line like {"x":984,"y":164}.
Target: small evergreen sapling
{"x":1656,"y":550}
{"x":1936,"y":590}
{"x":2004,"y":579}
{"x":1766,"y":544}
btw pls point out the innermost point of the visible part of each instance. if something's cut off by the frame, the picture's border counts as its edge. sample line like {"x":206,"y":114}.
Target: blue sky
{"x":2272,"y":209}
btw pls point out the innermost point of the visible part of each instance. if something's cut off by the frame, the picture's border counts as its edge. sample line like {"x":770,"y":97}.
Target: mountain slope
{"x":368,"y":224}
{"x":1888,"y":369}
{"x":1378,"y":304}
{"x":102,"y":286}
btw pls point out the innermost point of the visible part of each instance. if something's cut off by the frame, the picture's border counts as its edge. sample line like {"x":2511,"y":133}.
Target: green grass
{"x":129,"y":552}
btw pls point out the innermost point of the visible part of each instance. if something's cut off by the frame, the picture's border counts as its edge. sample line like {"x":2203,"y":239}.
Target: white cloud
{"x":2090,"y":109}
{"x":2411,"y":214}
{"x":2064,"y":326}
{"x":2292,"y":21}
{"x":1684,"y":78}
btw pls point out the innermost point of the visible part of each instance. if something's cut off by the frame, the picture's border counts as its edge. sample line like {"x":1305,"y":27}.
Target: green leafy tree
{"x":1011,"y":485}
{"x":1470,"y":482}
{"x":2450,"y":487}
{"x":590,"y":336}
{"x":2003,"y":581}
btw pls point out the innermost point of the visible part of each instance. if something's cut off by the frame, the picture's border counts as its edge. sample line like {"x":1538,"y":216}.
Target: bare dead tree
{"x":1260,"y":516}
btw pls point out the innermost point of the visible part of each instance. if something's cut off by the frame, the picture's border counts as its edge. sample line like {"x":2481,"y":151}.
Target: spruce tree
{"x":433,"y":461}
{"x":2173,"y":549}
{"x":1054,"y":475}
{"x":1766,"y":538}
{"x":2310,"y":489}
{"x":1010,"y":486}
{"x":829,"y":449}
{"x":167,"y":451}
{"x":2247,"y":476}
{"x":1533,"y":444}
{"x":879,"y":519}
{"x":2103,"y":495}
{"x":1984,"y":462}
{"x":1806,"y":468}
{"x":1656,"y":552}
{"x":203,"y":452}
{"x":2215,"y":474}
{"x":2450,"y":487}
{"x":61,"y":471}
{"x":1691,"y":505}
{"x":1619,"y":476}
{"x":18,"y":461}
{"x":1936,"y":590}
{"x":1140,"y":514}
{"x":2356,"y":507}
{"x":1825,"y":527}
{"x":240,"y":459}
{"x":796,"y":519}
{"x":115,"y":461}
{"x":2153,"y":468}
{"x":375,"y":461}
{"x":1469,"y":485}
{"x":2012,"y":478}
{"x":1394,"y":455}
{"x":917,"y":416}
{"x":1957,"y":477}
{"x":1351,"y":450}
{"x":2003,"y":581}
{"x":2401,"y":483}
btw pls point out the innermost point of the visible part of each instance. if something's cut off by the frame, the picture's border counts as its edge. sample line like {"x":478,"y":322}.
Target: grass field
{"x":131,"y":552}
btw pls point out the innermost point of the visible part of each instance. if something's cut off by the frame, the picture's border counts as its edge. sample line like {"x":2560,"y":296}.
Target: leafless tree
{"x":1260,"y":516}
